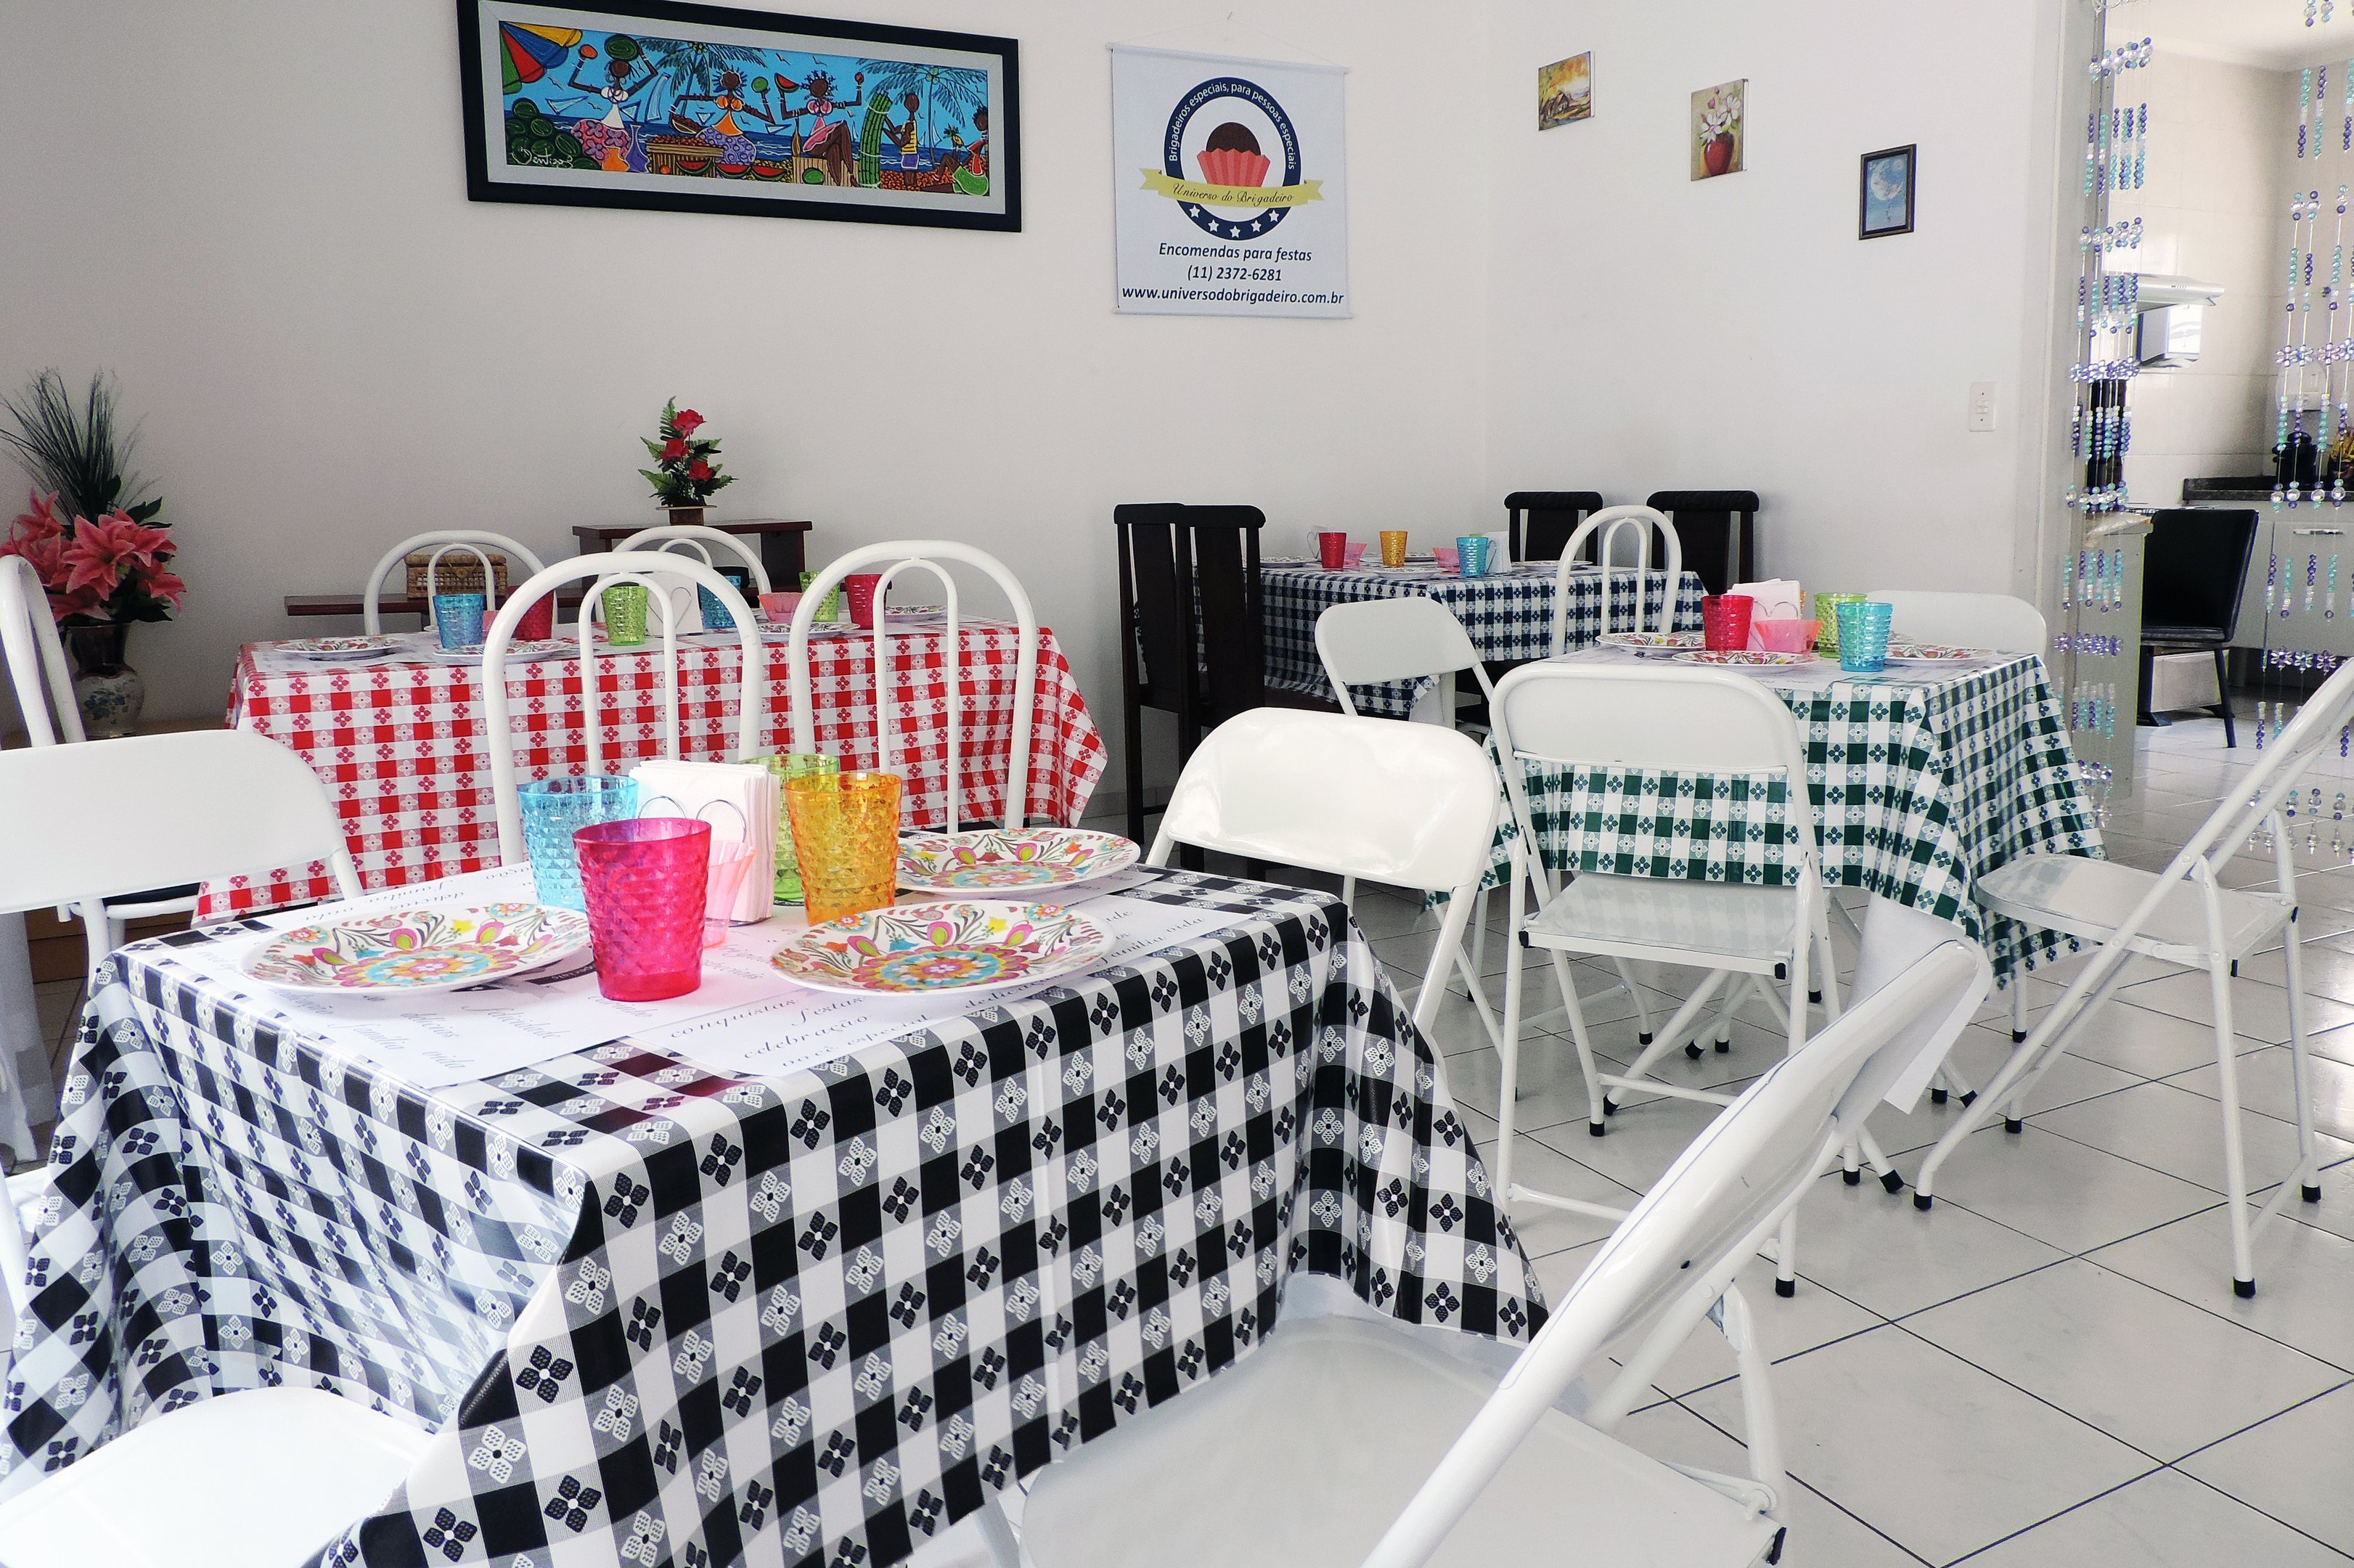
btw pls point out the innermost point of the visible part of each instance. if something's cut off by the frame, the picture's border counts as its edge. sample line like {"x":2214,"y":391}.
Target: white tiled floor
{"x":2050,"y":1367}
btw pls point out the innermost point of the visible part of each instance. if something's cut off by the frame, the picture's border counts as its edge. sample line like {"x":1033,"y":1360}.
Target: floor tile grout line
{"x":2252,"y":1508}
{"x":2251,"y":1427}
{"x":1799,"y":1480}
{"x":2072,"y":1508}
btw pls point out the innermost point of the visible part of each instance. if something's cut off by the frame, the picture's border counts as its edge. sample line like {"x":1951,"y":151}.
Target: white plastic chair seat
{"x":1714,"y":925}
{"x":1301,"y":1454}
{"x":2091,"y":898}
{"x":256,"y":1480}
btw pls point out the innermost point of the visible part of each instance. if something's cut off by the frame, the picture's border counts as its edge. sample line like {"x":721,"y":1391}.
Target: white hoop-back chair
{"x":700,"y":539}
{"x":890,"y":560}
{"x":35,"y":656}
{"x":1995,"y":621}
{"x":474,"y":542}
{"x":1406,"y":804}
{"x":657,"y":572}
{"x":1351,"y":1440}
{"x":1612,"y":522}
{"x":2183,"y":916}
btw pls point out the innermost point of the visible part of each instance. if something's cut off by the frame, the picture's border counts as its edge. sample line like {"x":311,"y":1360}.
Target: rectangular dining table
{"x":662,"y":1314}
{"x":402,"y":745}
{"x":1924,"y":776}
{"x":1509,"y":615}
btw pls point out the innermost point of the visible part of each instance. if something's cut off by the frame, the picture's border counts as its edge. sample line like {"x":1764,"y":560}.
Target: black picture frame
{"x":507,"y":181}
{"x":1864,"y":226}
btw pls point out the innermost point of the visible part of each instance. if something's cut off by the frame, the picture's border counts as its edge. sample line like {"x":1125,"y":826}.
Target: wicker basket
{"x":459,"y":572}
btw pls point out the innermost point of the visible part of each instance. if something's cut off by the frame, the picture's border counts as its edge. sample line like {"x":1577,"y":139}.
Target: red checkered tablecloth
{"x":402,"y":746}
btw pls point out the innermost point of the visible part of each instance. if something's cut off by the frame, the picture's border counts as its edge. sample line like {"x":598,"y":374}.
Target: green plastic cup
{"x":1827,"y":619}
{"x":625,"y":614}
{"x":787,"y":767}
{"x":830,"y":607}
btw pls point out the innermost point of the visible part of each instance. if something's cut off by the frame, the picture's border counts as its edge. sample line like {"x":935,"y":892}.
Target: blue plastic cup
{"x":552,"y":809}
{"x":457,"y":617}
{"x":1471,"y":554}
{"x":1863,"y":636}
{"x":717,"y":617}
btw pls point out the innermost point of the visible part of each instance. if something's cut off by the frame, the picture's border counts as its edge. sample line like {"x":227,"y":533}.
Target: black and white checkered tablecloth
{"x":667,"y":1318}
{"x":1921,"y":784}
{"x":1509,"y":615}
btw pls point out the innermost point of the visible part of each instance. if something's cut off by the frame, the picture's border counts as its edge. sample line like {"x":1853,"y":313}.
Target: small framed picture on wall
{"x":1884,"y":195}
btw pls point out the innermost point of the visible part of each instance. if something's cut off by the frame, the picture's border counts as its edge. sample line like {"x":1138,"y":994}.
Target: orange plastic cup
{"x":1392,"y":546}
{"x":846,"y":840}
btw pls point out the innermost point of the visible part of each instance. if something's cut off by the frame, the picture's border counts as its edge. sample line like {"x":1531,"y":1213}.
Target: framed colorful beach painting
{"x":689,"y":108}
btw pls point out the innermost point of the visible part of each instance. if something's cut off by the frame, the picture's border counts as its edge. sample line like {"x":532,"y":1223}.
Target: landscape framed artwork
{"x":1566,"y":91}
{"x":690,"y":108}
{"x":1720,"y":129}
{"x":1884,"y":194}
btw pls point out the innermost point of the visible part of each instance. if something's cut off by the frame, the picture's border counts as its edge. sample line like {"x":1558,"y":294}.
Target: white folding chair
{"x":1991,"y":620}
{"x":1614,"y":523}
{"x":1409,"y":805}
{"x":1301,"y":1452}
{"x":891,"y":559}
{"x":656,"y":572}
{"x":474,"y":542}
{"x":258,"y":1478}
{"x":2182,"y":915}
{"x":700,"y":539}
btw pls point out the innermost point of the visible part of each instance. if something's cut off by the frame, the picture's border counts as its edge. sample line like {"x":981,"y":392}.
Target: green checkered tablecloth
{"x":1923,"y":782}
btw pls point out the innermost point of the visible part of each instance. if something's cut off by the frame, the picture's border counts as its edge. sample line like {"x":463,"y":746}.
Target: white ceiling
{"x":2252,"y":32}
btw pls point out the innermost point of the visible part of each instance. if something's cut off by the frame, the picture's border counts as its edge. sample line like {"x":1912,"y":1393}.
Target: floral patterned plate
{"x":471,"y":653}
{"x":420,"y":949}
{"x":1932,"y":652}
{"x":1653,"y":642}
{"x":341,"y":649}
{"x":916,"y":949}
{"x":1737,"y":657}
{"x":997,"y":860}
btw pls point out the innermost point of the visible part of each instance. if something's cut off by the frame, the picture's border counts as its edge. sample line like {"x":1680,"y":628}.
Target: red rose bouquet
{"x":683,"y":473}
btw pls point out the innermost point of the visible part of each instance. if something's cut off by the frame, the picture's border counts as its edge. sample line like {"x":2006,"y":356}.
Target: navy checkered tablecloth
{"x":666,"y":1318}
{"x":1923,"y":782}
{"x":1508,"y":614}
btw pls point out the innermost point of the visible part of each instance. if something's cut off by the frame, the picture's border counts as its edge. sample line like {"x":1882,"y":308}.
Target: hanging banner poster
{"x":1230,"y":189}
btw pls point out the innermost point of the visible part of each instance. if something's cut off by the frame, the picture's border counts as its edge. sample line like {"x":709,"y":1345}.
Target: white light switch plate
{"x":1981,"y":407}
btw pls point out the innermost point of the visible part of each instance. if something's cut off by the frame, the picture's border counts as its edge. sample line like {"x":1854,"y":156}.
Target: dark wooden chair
{"x":2194,"y":569}
{"x":1543,"y":520}
{"x":1718,"y":531}
{"x":1205,"y":667}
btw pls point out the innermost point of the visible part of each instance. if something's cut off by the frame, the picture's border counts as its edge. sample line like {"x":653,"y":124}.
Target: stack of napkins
{"x":1776,"y":598}
{"x":737,"y":798}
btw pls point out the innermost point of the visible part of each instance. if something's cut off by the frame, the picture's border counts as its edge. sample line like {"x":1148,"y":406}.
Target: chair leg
{"x":1634,"y":994}
{"x":1135,"y":757}
{"x":1349,"y":894}
{"x":1595,"y":1105}
{"x":1785,"y":1260}
{"x":2235,"y":1168}
{"x":2224,"y":697}
{"x":1508,"y":1050}
{"x":2308,"y":1168}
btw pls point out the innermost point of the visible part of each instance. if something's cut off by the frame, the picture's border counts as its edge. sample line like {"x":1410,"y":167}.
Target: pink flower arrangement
{"x":115,"y":568}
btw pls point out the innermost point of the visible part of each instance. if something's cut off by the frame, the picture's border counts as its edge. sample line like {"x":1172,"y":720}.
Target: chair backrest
{"x":1720,"y":532}
{"x":193,"y":806}
{"x":1691,"y":1231}
{"x":926,"y":555}
{"x":475,"y":542}
{"x":656,"y":572}
{"x":1993,"y":620}
{"x":701,"y":539}
{"x":1191,"y":611}
{"x":2194,"y":570}
{"x":1672,"y":718}
{"x":1607,"y":528}
{"x":35,"y":656}
{"x":1543,"y":520}
{"x":1368,"y":642}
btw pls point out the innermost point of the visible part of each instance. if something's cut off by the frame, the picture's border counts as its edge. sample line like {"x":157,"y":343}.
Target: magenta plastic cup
{"x":645,"y":879}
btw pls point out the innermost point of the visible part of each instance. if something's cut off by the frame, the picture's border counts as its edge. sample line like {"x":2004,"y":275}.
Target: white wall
{"x":2222,"y":140}
{"x":1649,"y":332}
{"x":264,"y":231}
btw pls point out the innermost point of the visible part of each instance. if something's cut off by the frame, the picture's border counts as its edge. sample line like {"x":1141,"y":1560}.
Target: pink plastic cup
{"x":861,"y":588}
{"x":646,"y":881}
{"x":1781,"y":636}
{"x":1444,"y":557}
{"x":539,"y":623}
{"x":1724,"y":621}
{"x":779,"y":608}
{"x":1333,"y":550}
{"x":730,"y":859}
{"x":1351,"y":553}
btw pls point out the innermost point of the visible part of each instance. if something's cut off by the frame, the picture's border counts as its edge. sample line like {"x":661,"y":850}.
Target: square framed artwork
{"x":1719,"y":130}
{"x":693,"y":108}
{"x":1566,"y":91}
{"x":1884,"y":194}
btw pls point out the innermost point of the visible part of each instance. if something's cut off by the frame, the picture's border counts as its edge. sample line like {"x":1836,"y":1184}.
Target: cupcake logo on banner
{"x":1229,"y":151}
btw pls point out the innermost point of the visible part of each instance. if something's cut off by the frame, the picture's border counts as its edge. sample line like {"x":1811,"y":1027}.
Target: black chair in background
{"x":2194,"y":569}
{"x":1204,"y":670}
{"x":1718,"y":531}
{"x":1543,"y":520}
